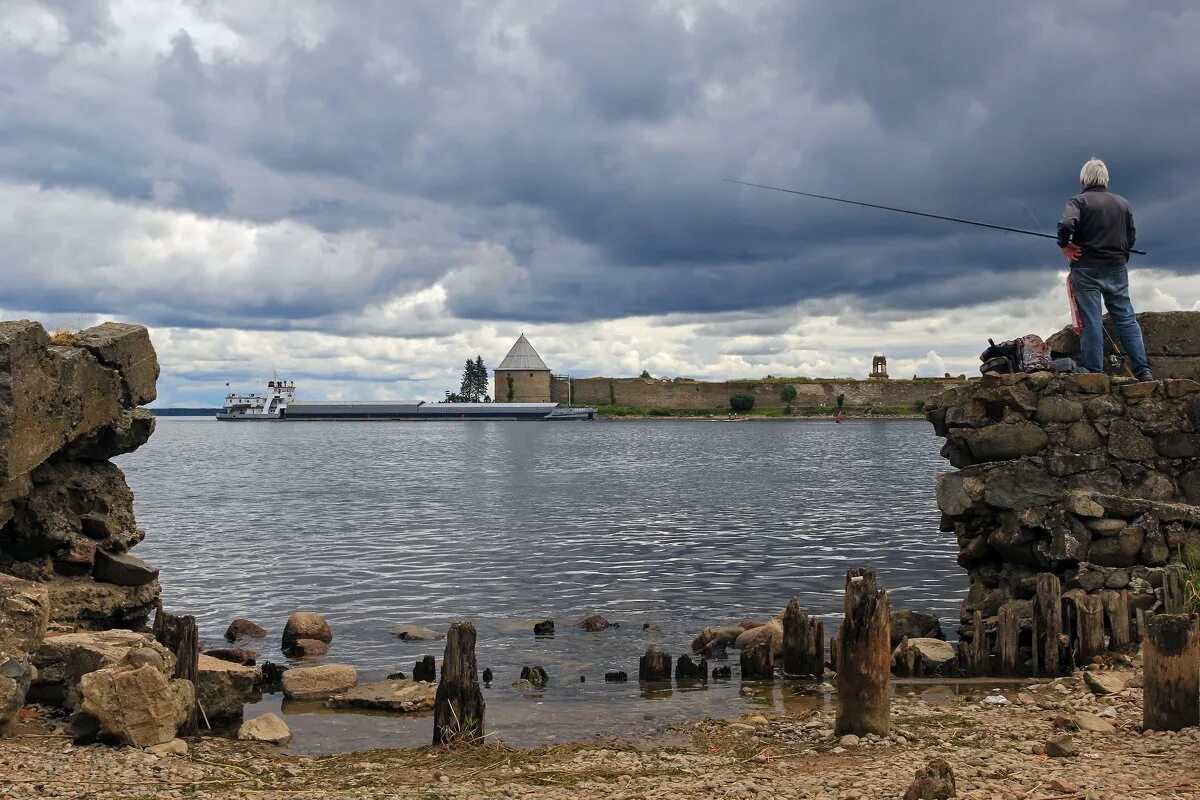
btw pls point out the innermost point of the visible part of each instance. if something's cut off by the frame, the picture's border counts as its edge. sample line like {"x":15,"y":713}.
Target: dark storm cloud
{"x":587,"y":141}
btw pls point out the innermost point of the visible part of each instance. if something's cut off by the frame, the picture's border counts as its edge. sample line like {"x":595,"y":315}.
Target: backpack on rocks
{"x":1030,"y":353}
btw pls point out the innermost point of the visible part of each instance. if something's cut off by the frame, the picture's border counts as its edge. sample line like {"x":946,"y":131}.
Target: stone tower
{"x":522,"y":376}
{"x":879,"y":367}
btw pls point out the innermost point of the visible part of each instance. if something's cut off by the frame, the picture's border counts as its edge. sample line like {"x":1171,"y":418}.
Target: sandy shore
{"x":995,"y":750}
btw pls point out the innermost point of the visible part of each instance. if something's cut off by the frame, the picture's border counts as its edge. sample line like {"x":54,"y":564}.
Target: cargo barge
{"x":279,"y":403}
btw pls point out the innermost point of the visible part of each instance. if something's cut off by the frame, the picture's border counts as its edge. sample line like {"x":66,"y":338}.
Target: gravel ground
{"x":996,"y":751}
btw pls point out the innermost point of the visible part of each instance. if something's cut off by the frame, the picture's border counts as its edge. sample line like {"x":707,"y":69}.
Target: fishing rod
{"x":907,"y":211}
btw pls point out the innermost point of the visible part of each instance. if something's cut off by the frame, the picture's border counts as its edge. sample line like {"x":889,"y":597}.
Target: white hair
{"x":1094,"y":173}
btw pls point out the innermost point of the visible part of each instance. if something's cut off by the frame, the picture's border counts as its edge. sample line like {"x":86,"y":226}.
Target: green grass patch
{"x":1191,"y":579}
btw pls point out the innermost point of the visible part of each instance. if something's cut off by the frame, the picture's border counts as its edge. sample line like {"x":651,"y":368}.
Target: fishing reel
{"x":1114,"y":364}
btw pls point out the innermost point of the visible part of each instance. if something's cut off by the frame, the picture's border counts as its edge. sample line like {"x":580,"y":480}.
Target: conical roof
{"x":522,"y":356}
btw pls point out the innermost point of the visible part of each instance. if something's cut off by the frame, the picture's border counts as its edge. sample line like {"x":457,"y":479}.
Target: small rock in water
{"x":306,"y":648}
{"x":396,"y":676}
{"x":416,"y":633}
{"x":722,"y":673}
{"x":236,"y":655}
{"x":244,"y":629}
{"x":306,"y":625}
{"x":544,"y":628}
{"x":271,"y":676}
{"x":536,"y":676}
{"x":651,"y":628}
{"x":594,"y":622}
{"x":615,"y":676}
{"x":488,"y":675}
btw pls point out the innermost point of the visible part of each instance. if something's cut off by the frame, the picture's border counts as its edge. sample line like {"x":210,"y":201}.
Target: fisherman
{"x":1096,"y":234}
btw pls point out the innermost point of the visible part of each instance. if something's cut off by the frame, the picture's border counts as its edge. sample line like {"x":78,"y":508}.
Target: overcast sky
{"x":360,"y":195}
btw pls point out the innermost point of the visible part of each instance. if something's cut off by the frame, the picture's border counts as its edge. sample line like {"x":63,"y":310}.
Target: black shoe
{"x":1146,"y":376}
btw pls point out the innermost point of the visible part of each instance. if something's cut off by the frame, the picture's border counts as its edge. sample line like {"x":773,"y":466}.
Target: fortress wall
{"x":682,"y":393}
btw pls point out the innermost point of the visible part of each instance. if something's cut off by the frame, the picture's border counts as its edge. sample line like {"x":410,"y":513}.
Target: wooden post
{"x":458,"y":705}
{"x":1089,"y":610}
{"x":1140,"y":622}
{"x":1047,"y":619}
{"x":975,"y":656}
{"x":864,"y":658}
{"x":1173,"y":596}
{"x":426,"y":669}
{"x":1008,"y":639}
{"x":179,"y":635}
{"x":1116,"y":612}
{"x":688,"y":671}
{"x":654,"y":666}
{"x":1170,"y":655}
{"x":835,"y":644}
{"x":758,"y":662}
{"x":803,"y":642}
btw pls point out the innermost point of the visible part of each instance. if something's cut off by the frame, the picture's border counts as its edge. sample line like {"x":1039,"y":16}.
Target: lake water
{"x":679,"y":524}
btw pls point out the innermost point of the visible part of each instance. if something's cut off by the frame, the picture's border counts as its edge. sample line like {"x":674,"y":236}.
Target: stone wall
{"x":66,"y":512}
{"x":1094,"y":480}
{"x":684,"y":393}
{"x":1172,"y":341}
{"x":529,"y":386}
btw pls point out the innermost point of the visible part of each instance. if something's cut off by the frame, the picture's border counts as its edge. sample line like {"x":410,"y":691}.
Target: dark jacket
{"x":1101,"y":223}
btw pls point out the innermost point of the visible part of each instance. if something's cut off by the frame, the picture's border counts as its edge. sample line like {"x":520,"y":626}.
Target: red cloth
{"x":1076,"y":321}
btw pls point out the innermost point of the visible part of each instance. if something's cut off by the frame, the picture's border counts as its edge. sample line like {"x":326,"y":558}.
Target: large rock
{"x":244,"y":629}
{"x":136,"y":706}
{"x":1007,"y":442}
{"x":122,"y":569}
{"x":915,"y":625}
{"x":62,"y":661}
{"x":24,"y":615}
{"x":83,"y":603}
{"x":128,"y":350}
{"x":224,"y":688}
{"x":772,"y":632}
{"x":924,"y":657}
{"x":391,"y":695}
{"x":1120,"y":550}
{"x":49,"y":396}
{"x":15,"y":676}
{"x":267,"y":728}
{"x":1126,"y":441}
{"x":132,"y":429}
{"x":306,"y":625}
{"x":318,"y":683}
{"x":1020,"y":485}
{"x":69,"y":503}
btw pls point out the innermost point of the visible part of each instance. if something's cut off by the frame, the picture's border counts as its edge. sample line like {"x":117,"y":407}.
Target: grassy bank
{"x":797,"y":412}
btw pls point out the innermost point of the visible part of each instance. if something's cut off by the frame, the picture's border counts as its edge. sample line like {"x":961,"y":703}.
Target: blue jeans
{"x":1091,"y":284}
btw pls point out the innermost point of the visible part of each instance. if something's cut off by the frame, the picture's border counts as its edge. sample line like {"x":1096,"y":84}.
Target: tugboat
{"x":279,"y":403}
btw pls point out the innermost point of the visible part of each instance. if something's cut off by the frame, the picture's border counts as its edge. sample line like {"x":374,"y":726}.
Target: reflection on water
{"x":677,"y":524}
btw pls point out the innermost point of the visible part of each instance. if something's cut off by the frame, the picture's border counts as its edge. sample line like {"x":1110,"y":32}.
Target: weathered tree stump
{"x":425,"y":669}
{"x":1008,"y":642}
{"x":458,"y":705}
{"x":758,"y":662}
{"x":803,"y":642}
{"x":1089,"y":617}
{"x":1116,"y":614}
{"x":179,"y":635}
{"x":1047,"y":625}
{"x":1173,"y":595}
{"x":864,"y":658}
{"x":654,"y":666}
{"x":835,"y":644}
{"x":1170,"y":654}
{"x":687,"y":670}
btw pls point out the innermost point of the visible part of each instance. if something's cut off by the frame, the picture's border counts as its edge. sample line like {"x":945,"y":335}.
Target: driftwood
{"x":1170,"y":653}
{"x":179,"y":635}
{"x":864,"y":658}
{"x":1047,"y":626}
{"x":458,"y":706}
{"x":687,"y":670}
{"x":803,"y":642}
{"x":758,"y":662}
{"x":654,"y":666}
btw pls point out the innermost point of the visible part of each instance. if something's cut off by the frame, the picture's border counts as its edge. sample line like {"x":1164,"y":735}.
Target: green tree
{"x":741,"y":403}
{"x":645,"y":374}
{"x":481,"y":381}
{"x":841,"y":400}
{"x":788,"y":395}
{"x":466,"y":386}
